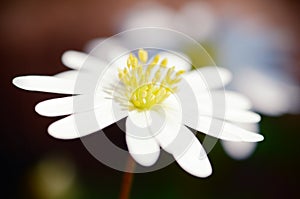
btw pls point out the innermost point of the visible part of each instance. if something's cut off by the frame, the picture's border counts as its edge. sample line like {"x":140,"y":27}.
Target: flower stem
{"x":127,"y":179}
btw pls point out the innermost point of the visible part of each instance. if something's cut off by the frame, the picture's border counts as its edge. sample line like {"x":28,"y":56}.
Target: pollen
{"x":148,"y":82}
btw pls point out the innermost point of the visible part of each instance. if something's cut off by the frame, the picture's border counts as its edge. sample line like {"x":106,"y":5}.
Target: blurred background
{"x":257,"y":40}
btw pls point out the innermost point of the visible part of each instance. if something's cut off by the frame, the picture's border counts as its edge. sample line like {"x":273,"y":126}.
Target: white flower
{"x":148,"y":92}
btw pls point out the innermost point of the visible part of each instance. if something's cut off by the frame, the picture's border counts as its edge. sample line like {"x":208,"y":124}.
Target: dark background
{"x":34,"y":34}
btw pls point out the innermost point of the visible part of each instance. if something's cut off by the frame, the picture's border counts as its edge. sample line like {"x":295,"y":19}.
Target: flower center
{"x":148,"y":83}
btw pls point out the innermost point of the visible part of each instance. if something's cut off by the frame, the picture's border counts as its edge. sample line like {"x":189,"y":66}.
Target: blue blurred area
{"x":239,"y":48}
{"x":260,"y":59}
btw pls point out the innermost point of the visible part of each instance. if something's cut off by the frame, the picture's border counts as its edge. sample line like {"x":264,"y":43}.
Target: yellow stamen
{"x":164,"y":63}
{"x":143,"y":55}
{"x":180,"y":72}
{"x":144,"y":83}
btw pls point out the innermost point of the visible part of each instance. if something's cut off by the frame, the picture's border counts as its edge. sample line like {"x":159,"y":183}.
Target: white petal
{"x":140,"y":142}
{"x":163,"y":122}
{"x":84,"y":123}
{"x":216,"y":99}
{"x":204,"y":79}
{"x":240,"y":116}
{"x":140,"y":118}
{"x":166,"y":122}
{"x":70,"y":74}
{"x":90,"y":82}
{"x":179,"y":60}
{"x":173,"y":137}
{"x":78,"y":60}
{"x":69,"y":105}
{"x":210,"y":73}
{"x":197,"y":114}
{"x":237,"y":116}
{"x":190,"y":154}
{"x":223,"y":130}
{"x":229,"y":114}
{"x":45,"y":84}
{"x":219,"y":104}
{"x":241,"y":150}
